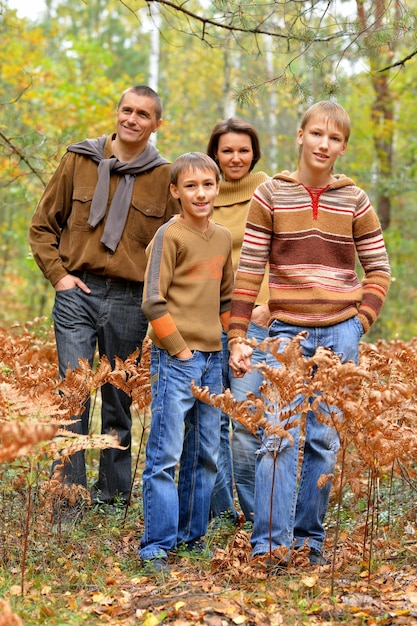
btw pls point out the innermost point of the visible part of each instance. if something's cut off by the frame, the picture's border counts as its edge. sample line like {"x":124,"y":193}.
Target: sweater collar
{"x":340,"y":180}
{"x":237,"y":191}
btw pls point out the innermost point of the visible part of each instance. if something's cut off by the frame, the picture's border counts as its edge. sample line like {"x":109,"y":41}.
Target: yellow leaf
{"x":15,"y":590}
{"x":46,"y":590}
{"x":309,"y":581}
{"x":239,"y":619}
{"x":101,"y":598}
{"x":178,"y":605}
{"x":151,"y":620}
{"x":402,"y":612}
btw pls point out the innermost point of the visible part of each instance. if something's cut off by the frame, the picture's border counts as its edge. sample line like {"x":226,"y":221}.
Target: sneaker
{"x":108,"y":509}
{"x":316,"y":557}
{"x":66,"y":516}
{"x":197,"y":548}
{"x":269,"y":563}
{"x":157,"y":565}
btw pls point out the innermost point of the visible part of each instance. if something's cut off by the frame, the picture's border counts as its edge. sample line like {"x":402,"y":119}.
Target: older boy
{"x":187,"y":294}
{"x":309,"y":225}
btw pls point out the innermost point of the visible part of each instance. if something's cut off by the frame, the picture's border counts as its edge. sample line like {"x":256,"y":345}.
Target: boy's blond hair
{"x":330,"y":111}
{"x":193,"y":161}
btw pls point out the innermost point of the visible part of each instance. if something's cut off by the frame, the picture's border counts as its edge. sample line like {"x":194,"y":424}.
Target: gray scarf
{"x":120,"y":204}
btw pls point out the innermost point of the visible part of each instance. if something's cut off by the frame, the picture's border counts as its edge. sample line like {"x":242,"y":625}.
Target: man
{"x":88,"y":235}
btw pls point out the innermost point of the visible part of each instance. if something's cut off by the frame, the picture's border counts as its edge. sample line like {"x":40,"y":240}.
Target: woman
{"x":234,"y":145}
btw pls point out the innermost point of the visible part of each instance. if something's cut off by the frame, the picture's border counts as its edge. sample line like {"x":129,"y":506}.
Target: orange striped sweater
{"x":312,"y":240}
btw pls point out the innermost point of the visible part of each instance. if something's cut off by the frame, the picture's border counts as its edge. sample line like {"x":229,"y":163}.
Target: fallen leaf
{"x":309,"y":581}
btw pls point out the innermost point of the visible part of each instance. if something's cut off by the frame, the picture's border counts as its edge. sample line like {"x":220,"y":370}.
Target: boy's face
{"x":196,"y":189}
{"x":322,"y":141}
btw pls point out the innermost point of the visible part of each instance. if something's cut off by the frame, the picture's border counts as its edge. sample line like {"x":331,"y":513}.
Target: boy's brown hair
{"x":193,"y":161}
{"x":326,"y":109}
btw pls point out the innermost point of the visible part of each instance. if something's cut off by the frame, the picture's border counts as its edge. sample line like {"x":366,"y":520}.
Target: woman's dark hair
{"x":234,"y":125}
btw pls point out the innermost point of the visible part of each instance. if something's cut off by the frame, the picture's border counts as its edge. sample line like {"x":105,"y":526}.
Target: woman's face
{"x":235,"y":155}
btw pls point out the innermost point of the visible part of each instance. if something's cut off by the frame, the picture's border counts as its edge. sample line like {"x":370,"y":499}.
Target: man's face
{"x":136,"y":120}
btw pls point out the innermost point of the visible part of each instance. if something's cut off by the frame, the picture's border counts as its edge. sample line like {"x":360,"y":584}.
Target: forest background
{"x":63,"y":72}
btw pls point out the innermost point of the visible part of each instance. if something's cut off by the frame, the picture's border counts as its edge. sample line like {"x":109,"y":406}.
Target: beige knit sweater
{"x":230,"y":210}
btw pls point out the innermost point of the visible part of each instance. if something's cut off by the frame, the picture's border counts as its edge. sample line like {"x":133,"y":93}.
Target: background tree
{"x":61,"y":78}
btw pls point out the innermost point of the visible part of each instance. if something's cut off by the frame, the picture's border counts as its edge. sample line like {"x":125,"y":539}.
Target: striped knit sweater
{"x":311,"y":239}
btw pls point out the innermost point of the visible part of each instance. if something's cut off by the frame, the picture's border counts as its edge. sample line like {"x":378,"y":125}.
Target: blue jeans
{"x":240,"y":470}
{"x":222,"y":498}
{"x":285,"y":515}
{"x":244,"y":443}
{"x":179,"y":514}
{"x":111,"y":317}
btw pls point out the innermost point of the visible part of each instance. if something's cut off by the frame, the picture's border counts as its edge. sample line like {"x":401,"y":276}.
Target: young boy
{"x":187,"y":295}
{"x":310,"y":225}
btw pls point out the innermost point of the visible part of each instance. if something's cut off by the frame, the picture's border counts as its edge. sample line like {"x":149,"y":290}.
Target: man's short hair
{"x":144,"y":90}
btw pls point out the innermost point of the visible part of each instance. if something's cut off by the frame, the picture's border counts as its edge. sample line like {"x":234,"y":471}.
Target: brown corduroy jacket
{"x":62,"y":242}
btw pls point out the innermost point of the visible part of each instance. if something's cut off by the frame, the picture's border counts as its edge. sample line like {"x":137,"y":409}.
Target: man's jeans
{"x":241,"y":470}
{"x":111,"y":317}
{"x":285,"y":515}
{"x":175,"y":515}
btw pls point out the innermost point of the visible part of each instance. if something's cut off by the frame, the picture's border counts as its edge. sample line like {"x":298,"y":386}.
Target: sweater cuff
{"x":364,"y":320}
{"x":233,"y":334}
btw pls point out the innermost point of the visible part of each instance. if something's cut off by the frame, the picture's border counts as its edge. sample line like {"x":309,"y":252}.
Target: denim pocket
{"x":358,"y":326}
{"x":189,"y":360}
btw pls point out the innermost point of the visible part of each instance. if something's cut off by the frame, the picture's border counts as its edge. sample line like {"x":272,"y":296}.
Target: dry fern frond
{"x":324,"y":479}
{"x":251,"y":412}
{"x":56,"y":491}
{"x":234,"y":559}
{"x":18,"y":438}
{"x":67,"y":443}
{"x":133,"y":377}
{"x":7,"y":617}
{"x":29,"y":391}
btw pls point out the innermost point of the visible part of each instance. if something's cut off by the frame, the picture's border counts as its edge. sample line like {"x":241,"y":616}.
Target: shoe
{"x":157,"y":565}
{"x":270,"y":563}
{"x":316,"y":557}
{"x":224,"y":519}
{"x":66,"y":516}
{"x":197,"y":548}
{"x":109,"y":509}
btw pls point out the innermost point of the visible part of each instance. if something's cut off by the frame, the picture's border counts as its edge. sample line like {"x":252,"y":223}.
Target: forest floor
{"x":89,"y":572}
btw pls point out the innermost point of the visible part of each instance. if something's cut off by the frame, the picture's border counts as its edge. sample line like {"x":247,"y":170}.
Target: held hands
{"x":239,"y":361}
{"x":69,"y":282}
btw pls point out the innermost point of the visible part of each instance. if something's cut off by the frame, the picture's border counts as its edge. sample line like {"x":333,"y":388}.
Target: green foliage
{"x":61,"y":79}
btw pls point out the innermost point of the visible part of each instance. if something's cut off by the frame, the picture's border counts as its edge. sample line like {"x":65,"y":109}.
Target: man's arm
{"x":49,"y":218}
